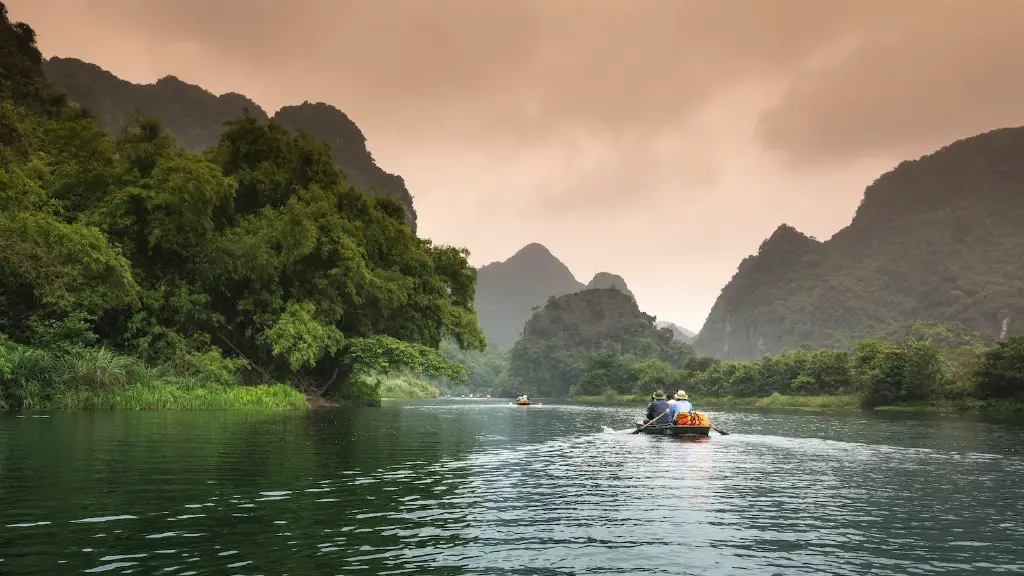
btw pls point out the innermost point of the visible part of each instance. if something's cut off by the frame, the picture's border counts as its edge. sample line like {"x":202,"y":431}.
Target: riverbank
{"x":839,"y":402}
{"x":167,"y":396}
{"x":100,"y":379}
{"x":183,"y":397}
{"x":773,"y":401}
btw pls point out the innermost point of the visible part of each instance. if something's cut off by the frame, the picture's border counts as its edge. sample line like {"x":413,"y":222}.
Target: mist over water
{"x":484,"y":487}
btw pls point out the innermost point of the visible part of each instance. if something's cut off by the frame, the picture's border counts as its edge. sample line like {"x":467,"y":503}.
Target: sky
{"x":661,"y":140}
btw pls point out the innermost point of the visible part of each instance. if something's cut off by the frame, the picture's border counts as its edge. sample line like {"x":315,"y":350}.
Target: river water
{"x":484,"y":487}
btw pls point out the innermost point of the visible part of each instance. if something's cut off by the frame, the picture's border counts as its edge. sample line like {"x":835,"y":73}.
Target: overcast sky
{"x":662,"y":140}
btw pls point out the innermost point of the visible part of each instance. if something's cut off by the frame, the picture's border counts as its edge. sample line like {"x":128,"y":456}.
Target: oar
{"x":719,"y":430}
{"x":649,"y":422}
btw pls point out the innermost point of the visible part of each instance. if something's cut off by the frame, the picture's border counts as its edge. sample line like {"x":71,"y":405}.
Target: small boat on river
{"x":674,"y":430}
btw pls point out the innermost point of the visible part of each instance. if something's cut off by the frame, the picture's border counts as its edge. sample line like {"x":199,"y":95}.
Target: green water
{"x":483,"y":487}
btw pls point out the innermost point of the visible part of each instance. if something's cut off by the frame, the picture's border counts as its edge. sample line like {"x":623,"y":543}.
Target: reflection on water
{"x":466,"y":487}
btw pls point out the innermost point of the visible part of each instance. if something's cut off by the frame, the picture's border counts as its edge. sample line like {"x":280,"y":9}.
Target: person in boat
{"x":659,"y":409}
{"x":673,"y":406}
{"x":678,"y":404}
{"x":685,"y":415}
{"x":683,"y":402}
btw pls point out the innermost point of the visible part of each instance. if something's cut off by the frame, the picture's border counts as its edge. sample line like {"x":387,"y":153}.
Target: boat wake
{"x":607,"y":430}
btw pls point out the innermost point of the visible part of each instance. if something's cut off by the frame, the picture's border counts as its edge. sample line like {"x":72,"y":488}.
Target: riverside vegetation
{"x":243,"y":268}
{"x":138,"y":274}
{"x":597,"y":346}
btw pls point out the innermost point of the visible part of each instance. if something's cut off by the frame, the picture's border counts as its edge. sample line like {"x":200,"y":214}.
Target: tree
{"x":1001,"y":374}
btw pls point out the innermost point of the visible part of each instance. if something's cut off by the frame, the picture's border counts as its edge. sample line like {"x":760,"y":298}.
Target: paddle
{"x":719,"y":430}
{"x":649,"y":422}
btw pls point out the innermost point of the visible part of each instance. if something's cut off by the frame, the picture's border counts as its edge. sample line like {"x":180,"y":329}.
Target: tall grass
{"x":182,"y":395}
{"x":100,"y":379}
{"x":776,"y":400}
{"x":405,"y":386}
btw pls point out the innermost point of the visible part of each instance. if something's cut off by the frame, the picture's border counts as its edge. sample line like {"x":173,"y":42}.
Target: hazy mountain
{"x":196,"y":118}
{"x":608,"y":280}
{"x":678,"y":332}
{"x":936,"y":239}
{"x":507,"y":292}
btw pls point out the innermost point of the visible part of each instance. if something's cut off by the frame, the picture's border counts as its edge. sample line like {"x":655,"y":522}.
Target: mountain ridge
{"x":935,"y":239}
{"x":681,"y":334}
{"x":196,"y":117}
{"x":508,"y":291}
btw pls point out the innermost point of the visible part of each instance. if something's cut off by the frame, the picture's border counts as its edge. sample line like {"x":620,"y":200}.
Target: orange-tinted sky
{"x":657,"y":139}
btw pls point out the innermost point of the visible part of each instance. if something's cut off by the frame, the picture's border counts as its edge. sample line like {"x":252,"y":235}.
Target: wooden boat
{"x":673,"y":430}
{"x":522,"y":403}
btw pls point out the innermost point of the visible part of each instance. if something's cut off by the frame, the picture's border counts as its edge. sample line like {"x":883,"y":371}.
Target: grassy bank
{"x":845,"y":402}
{"x":405,"y":387}
{"x":952,"y":406}
{"x":168,"y":396}
{"x":99,"y":379}
{"x":773,"y":401}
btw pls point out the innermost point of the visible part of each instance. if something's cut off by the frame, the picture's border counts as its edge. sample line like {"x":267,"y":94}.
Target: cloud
{"x":528,"y":65}
{"x":922,"y":74}
{"x":521,"y":70}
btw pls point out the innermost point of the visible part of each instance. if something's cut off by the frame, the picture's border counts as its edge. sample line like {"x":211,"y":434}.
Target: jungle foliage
{"x":255,"y":258}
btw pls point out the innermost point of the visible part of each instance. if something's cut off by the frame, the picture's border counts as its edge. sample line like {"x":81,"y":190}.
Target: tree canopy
{"x":257,"y":249}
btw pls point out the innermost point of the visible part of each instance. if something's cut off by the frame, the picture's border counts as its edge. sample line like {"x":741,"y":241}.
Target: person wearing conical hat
{"x":680,"y":407}
{"x":659,"y":409}
{"x":683,"y":401}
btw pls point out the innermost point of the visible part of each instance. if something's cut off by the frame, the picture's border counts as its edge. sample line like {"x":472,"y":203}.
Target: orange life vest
{"x":692,"y":419}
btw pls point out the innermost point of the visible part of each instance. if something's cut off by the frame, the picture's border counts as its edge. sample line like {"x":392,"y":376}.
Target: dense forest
{"x":936,"y":239}
{"x":597,"y":345}
{"x":932,"y":364}
{"x":196,"y":118}
{"x":132,"y":264}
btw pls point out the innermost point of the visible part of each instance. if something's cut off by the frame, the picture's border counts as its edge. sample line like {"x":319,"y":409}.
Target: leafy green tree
{"x":257,"y":254}
{"x":1001,"y":374}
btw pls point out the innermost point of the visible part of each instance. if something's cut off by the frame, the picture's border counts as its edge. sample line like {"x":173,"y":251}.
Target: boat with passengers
{"x":673,"y":415}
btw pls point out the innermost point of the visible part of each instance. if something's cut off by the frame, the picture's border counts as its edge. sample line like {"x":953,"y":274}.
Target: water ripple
{"x":460,"y":488}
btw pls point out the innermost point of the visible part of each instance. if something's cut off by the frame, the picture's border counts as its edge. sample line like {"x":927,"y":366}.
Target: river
{"x":484,"y":487}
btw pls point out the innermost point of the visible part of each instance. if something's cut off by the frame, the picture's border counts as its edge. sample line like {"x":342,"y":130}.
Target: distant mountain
{"x":938,"y":239}
{"x":608,"y":280}
{"x":507,"y":292}
{"x":196,"y":117}
{"x":560,"y":336}
{"x":678,"y":332}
